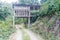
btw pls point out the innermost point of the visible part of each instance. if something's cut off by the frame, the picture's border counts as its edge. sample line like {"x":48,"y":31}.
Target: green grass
{"x":34,"y":11}
{"x":25,"y":35}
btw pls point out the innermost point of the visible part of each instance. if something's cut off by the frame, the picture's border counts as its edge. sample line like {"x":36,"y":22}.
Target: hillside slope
{"x":49,"y":28}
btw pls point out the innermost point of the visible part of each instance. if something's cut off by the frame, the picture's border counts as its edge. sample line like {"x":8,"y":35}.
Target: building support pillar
{"x":28,"y":22}
{"x":13,"y":21}
{"x":29,"y":19}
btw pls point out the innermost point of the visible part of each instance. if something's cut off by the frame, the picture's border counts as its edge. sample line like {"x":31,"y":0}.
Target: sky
{"x":10,"y":1}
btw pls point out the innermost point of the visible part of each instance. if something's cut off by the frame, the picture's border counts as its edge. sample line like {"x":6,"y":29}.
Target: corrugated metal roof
{"x":26,"y":5}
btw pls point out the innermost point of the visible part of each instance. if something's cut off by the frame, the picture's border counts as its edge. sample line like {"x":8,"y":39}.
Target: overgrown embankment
{"x":47,"y":27}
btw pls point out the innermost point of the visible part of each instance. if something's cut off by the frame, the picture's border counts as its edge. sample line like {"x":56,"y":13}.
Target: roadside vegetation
{"x":6,"y":24}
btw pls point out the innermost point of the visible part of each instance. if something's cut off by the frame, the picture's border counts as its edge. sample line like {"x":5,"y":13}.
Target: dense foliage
{"x":49,"y":7}
{"x":28,"y":1}
{"x":6,"y":24}
{"x":4,"y":11}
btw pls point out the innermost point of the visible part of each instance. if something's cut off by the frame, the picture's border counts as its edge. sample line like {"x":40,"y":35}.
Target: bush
{"x":6,"y":28}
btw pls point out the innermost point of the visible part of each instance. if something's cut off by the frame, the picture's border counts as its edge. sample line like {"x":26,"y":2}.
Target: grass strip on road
{"x":25,"y":36}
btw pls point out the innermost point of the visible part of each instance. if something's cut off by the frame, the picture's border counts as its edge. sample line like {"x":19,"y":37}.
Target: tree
{"x":28,"y":2}
{"x":49,"y":7}
{"x":5,"y":10}
{"x":42,"y":1}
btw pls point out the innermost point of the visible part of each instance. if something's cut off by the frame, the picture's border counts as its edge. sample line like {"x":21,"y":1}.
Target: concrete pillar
{"x":28,"y":22}
{"x":29,"y":18}
{"x":13,"y":21}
